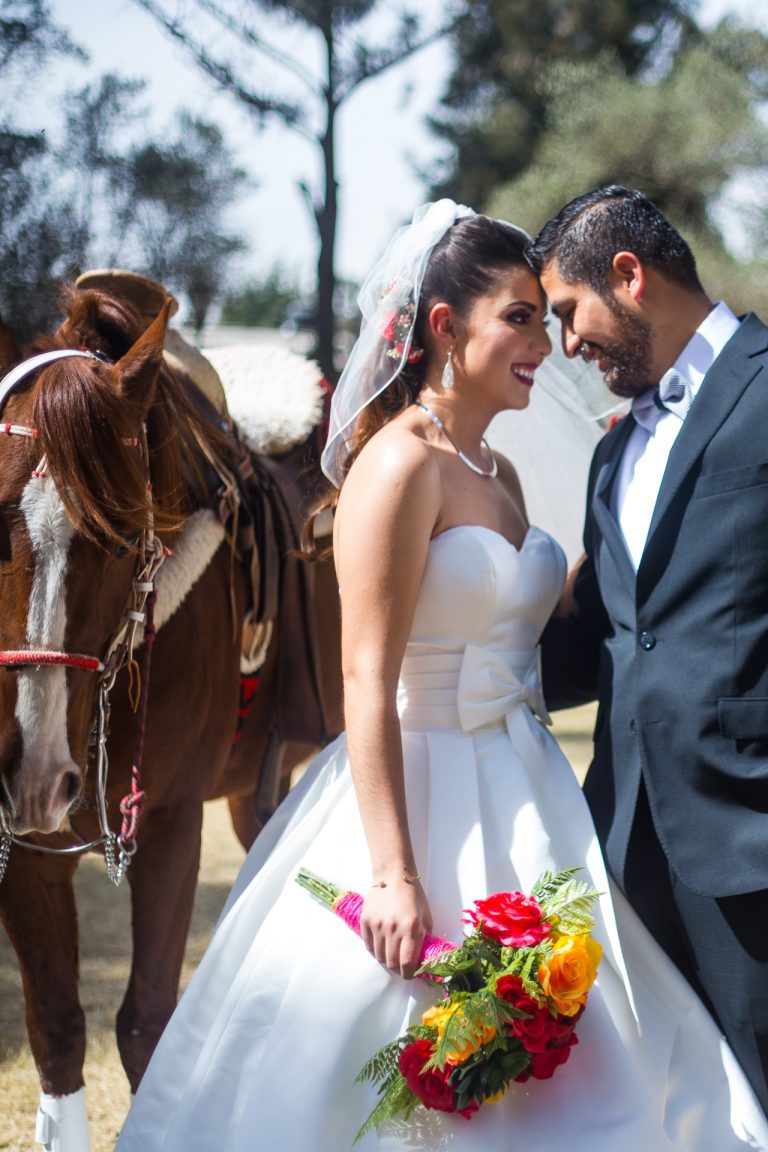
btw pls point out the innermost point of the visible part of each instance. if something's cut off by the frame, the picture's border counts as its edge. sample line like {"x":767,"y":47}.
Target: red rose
{"x":536,"y":1031}
{"x":510,"y":988}
{"x":564,"y":1030}
{"x":509,"y":917}
{"x":543,"y":1064}
{"x":431,"y":1087}
{"x":389,"y":328}
{"x":538,"y":1028}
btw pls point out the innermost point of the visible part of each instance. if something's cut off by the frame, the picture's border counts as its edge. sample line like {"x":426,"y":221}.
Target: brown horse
{"x":114,"y":465}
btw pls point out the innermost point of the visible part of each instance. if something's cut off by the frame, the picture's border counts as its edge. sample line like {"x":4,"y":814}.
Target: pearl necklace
{"x":489,"y":473}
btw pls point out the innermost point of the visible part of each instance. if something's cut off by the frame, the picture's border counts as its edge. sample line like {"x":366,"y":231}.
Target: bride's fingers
{"x":410,"y":951}
{"x":393,"y":947}
{"x":378,"y":946}
{"x":374,"y":939}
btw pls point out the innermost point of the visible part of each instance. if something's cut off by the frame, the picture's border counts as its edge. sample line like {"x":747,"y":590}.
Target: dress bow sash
{"x":489,"y":688}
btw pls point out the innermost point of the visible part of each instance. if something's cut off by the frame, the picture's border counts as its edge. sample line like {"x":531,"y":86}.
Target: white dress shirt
{"x":642,"y":465}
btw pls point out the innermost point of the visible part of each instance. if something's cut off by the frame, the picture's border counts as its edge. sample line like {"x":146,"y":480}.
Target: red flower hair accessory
{"x":398,"y":327}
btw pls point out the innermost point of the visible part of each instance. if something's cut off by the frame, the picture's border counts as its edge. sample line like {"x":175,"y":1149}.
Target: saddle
{"x":249,"y":495}
{"x":282,"y":589}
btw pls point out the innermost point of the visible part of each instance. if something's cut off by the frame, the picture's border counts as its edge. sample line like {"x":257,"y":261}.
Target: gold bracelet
{"x":406,"y":878}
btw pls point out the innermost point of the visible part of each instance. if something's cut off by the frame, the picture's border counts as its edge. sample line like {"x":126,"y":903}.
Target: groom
{"x":670,"y":631}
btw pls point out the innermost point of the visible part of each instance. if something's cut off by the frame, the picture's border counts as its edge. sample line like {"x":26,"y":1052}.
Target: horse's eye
{"x":129,"y":545}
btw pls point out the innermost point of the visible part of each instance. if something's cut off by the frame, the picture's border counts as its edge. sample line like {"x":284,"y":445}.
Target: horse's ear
{"x":139,"y":367}
{"x":9,"y":353}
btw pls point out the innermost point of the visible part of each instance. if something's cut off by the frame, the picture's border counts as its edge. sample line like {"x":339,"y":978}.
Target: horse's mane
{"x":85,"y":428}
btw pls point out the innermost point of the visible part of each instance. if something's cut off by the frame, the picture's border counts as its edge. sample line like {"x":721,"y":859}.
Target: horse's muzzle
{"x":40,"y":805}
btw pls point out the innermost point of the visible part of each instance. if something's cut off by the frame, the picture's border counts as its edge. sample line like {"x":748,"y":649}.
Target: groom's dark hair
{"x":587,"y":233}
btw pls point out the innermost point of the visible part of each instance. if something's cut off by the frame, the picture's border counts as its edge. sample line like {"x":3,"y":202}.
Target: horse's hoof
{"x":62,"y":1123}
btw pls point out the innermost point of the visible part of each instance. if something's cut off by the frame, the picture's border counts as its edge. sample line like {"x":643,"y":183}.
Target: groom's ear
{"x":627,"y":275}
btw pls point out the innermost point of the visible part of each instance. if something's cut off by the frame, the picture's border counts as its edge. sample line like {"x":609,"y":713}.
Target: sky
{"x":381,"y":130}
{"x":377,"y":129}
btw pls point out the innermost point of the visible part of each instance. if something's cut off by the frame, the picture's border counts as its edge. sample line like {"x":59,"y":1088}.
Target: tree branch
{"x":291,"y":114}
{"x":371,"y":62}
{"x":237,"y":28}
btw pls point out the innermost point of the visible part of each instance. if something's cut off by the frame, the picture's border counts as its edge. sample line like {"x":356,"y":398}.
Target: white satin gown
{"x":288,"y":1005}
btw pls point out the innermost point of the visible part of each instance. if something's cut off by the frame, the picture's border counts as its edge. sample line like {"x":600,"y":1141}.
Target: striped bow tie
{"x":675,"y":393}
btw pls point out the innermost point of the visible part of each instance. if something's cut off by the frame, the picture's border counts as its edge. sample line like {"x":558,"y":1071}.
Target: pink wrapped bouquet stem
{"x":348,"y":907}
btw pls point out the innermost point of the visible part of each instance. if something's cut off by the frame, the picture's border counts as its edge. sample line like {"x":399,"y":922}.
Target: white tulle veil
{"x":550,"y":443}
{"x":391,"y":287}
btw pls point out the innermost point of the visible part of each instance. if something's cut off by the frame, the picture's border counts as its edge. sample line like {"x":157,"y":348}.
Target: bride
{"x":446,"y":786}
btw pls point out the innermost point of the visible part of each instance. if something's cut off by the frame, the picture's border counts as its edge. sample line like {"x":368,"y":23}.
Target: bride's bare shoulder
{"x":398,"y":451}
{"x":395,"y":480}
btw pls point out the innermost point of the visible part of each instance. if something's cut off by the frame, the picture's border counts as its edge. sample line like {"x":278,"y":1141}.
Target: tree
{"x":85,"y":192}
{"x":93,"y":157}
{"x":261,"y":303}
{"x":348,"y":61}
{"x":497,"y":102}
{"x":174,"y":201}
{"x":28,"y":36}
{"x":39,"y":238}
{"x":681,"y":137}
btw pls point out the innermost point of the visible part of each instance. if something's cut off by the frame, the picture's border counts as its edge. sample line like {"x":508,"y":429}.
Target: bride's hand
{"x":394,"y":920}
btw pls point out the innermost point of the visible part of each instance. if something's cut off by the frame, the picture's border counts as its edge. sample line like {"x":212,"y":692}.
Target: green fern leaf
{"x":379,"y":1067}
{"x":398,"y":1100}
{"x":549,"y":882}
{"x":570,"y":907}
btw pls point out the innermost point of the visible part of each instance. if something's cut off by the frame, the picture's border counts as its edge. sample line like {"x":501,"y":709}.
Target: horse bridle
{"x":118,"y":848}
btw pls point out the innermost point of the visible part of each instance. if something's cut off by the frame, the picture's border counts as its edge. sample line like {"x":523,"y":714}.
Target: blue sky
{"x":377,"y":132}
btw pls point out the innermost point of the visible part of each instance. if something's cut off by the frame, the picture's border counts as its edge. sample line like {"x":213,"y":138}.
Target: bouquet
{"x":512,"y":994}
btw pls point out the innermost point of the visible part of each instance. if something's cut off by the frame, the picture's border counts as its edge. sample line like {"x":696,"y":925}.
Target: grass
{"x":104,"y":929}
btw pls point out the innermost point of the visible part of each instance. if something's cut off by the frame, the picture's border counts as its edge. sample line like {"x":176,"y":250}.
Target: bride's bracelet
{"x":406,"y":877}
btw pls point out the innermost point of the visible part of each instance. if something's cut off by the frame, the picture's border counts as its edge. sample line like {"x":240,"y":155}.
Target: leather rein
{"x":118,"y":848}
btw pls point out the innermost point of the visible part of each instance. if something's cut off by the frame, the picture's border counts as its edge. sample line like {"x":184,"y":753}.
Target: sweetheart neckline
{"x":532,"y":528}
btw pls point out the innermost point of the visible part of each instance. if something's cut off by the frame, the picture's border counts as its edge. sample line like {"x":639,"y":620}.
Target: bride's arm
{"x":567,"y":605}
{"x":386,"y":512}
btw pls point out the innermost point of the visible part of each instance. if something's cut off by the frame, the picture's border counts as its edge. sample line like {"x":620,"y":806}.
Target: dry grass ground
{"x":104,"y":923}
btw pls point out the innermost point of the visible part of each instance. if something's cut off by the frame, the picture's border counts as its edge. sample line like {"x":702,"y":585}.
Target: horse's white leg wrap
{"x":62,"y":1123}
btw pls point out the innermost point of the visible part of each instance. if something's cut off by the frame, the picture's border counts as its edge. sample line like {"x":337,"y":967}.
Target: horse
{"x":146,"y":550}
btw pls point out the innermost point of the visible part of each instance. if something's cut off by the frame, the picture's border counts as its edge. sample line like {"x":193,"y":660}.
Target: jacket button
{"x":647,"y":641}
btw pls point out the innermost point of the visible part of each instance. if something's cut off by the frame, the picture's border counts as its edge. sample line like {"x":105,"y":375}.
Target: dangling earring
{"x":448,"y":380}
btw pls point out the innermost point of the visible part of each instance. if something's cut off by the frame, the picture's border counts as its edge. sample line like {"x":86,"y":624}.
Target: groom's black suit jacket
{"x":677,"y":653}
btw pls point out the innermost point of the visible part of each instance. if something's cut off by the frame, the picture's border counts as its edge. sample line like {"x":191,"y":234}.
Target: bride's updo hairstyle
{"x":387,"y":368}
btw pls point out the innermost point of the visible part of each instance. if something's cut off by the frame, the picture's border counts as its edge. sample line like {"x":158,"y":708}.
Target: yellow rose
{"x":438,"y":1017}
{"x":569,"y":972}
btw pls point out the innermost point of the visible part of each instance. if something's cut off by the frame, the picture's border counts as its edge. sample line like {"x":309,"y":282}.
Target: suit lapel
{"x":723,"y":385}
{"x":601,"y":504}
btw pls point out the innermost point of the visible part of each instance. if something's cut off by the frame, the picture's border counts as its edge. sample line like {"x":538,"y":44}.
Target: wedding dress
{"x":288,"y":1005}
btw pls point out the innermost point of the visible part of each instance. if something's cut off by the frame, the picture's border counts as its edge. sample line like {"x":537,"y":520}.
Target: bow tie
{"x":673,"y":394}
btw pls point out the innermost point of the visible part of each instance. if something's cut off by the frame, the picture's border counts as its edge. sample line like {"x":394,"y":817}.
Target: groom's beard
{"x":627,"y":351}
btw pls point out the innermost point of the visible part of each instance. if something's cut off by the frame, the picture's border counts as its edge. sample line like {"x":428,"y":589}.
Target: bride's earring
{"x":448,"y":380}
